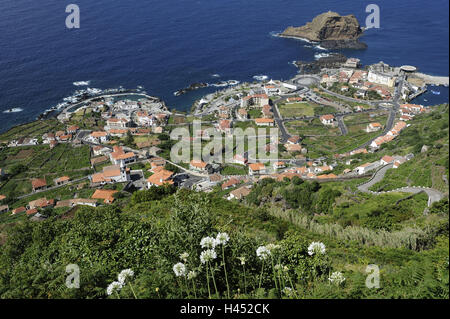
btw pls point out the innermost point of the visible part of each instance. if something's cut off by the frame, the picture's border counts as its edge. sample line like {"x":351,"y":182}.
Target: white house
{"x":99,"y":137}
{"x":373,"y":127}
{"x":111,"y":174}
{"x":257,"y":169}
{"x":327,"y":119}
{"x":364,"y":168}
{"x":381,"y":78}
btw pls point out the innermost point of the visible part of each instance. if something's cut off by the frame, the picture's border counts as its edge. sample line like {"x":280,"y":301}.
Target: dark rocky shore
{"x":332,"y":61}
{"x":331,"y":30}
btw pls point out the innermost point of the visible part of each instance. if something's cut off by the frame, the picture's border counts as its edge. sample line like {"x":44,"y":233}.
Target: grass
{"x":296,"y":109}
{"x":234,"y":169}
{"x":33,"y":130}
{"x":43,"y":162}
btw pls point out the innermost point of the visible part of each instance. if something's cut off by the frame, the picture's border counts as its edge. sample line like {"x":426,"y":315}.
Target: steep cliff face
{"x":330,"y":28}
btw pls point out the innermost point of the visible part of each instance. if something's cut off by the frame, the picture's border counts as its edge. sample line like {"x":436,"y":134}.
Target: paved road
{"x":342,"y":126}
{"x":433,"y":195}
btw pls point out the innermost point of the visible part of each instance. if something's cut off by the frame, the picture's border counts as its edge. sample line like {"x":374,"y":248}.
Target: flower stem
{"x":132,"y":290}
{"x":245,"y":282}
{"x":207,"y":280}
{"x":260,"y":277}
{"x":195,"y":290}
{"x":225,"y":269}
{"x":214,"y":281}
{"x":273,"y":273}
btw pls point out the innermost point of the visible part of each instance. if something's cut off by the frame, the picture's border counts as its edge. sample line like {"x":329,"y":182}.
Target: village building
{"x":239,"y":193}
{"x":61,"y":180}
{"x":257,"y":100}
{"x":294,"y":99}
{"x":19,"y":210}
{"x":232,"y":182}
{"x":38,"y":184}
{"x":373,"y":127}
{"x":257,"y":169}
{"x":119,"y":157}
{"x":364,"y":168}
{"x":41,"y":203}
{"x":294,"y":139}
{"x":294,"y":148}
{"x":240,"y":159}
{"x":117,"y":123}
{"x":100,"y":150}
{"x":198,"y":165}
{"x":145,"y":119}
{"x":327,"y":119}
{"x":73,"y":129}
{"x":224,"y":126}
{"x":381,"y":78}
{"x":99,"y":137}
{"x":242,"y":114}
{"x":279,"y":165}
{"x":381,"y":140}
{"x":266,"y":111}
{"x":111,"y":174}
{"x":160,"y":178}
{"x":352,"y":63}
{"x":4,"y":209}
{"x":386,"y":160}
{"x":264,"y":122}
{"x":272,"y":89}
{"x":104,"y":194}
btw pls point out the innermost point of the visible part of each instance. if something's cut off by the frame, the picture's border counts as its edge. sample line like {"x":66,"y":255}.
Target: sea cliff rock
{"x":332,"y":30}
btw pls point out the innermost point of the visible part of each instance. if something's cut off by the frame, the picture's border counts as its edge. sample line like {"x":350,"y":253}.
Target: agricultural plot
{"x":40,"y":161}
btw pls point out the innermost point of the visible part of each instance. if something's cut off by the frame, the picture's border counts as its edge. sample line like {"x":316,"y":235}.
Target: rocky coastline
{"x":331,"y":30}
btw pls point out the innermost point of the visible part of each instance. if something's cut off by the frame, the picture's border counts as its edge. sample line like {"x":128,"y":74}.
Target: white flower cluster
{"x":337,"y":278}
{"x":116,"y":286}
{"x":222,"y":238}
{"x":208,"y":243}
{"x":263,"y":252}
{"x":124,"y":275}
{"x":184,"y":256}
{"x":113,"y":287}
{"x":316,"y":248}
{"x":179,"y":270}
{"x":208,"y":256}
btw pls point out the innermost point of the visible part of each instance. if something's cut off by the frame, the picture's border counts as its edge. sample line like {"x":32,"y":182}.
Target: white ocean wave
{"x":13,"y":110}
{"x":260,"y":77}
{"x":317,"y":56}
{"x":215,"y":75}
{"x":82,"y":83}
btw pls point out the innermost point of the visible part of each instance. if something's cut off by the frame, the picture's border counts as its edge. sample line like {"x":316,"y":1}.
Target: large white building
{"x":381,"y":78}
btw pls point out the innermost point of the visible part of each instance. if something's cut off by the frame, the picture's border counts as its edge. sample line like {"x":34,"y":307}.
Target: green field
{"x":296,"y":109}
{"x":41,"y":162}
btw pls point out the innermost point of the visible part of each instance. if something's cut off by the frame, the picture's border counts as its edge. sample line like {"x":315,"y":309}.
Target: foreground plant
{"x":336,"y":278}
{"x":206,"y":257}
{"x":114,"y":287}
{"x":123,"y":278}
{"x":263,"y":253}
{"x":222,"y":239}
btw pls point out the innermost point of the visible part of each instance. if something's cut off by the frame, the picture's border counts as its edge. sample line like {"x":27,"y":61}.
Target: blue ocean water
{"x":167,"y":45}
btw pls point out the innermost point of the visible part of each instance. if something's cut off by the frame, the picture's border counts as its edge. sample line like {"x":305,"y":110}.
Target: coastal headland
{"x":331,"y":30}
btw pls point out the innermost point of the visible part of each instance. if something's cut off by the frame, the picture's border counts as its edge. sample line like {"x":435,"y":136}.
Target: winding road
{"x":433,"y":195}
